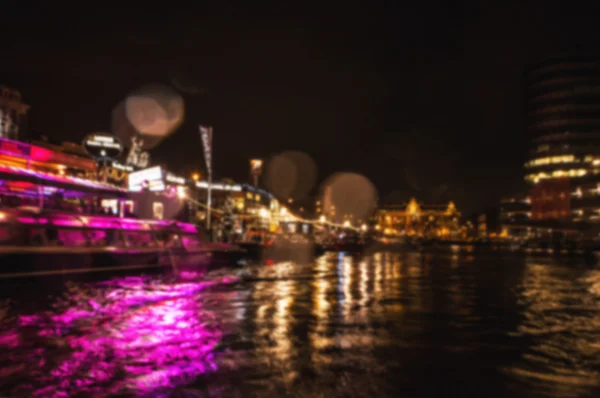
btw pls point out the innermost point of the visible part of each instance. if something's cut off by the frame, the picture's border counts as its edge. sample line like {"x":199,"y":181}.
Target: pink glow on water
{"x":9,"y":339}
{"x":125,"y":336}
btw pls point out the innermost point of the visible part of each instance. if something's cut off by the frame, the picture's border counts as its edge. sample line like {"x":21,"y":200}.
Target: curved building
{"x":563,"y":122}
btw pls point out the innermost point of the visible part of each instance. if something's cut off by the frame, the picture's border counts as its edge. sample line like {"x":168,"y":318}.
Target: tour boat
{"x":346,"y":242}
{"x":38,"y":243}
{"x":279,"y":246}
{"x":52,"y":222}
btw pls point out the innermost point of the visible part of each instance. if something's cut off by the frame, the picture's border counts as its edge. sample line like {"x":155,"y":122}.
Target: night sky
{"x":423,"y":100}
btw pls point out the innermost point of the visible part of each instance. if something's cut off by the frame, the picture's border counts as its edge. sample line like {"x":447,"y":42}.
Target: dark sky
{"x":424,"y":99}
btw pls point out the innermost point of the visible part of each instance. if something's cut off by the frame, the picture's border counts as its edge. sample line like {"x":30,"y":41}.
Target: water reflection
{"x":385,"y":324}
{"x":322,"y":288}
{"x":562,"y":321}
{"x":128,"y":335}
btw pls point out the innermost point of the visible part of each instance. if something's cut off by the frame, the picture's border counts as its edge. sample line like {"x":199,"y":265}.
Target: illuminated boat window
{"x":97,"y":237}
{"x":67,"y":237}
{"x":191,"y":241}
{"x":139,"y":239}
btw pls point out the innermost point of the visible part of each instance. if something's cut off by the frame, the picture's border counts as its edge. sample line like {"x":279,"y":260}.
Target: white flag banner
{"x":206,"y":135}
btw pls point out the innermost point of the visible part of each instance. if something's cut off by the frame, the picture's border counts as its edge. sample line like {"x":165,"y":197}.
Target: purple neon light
{"x":78,"y":221}
{"x":66,"y":222}
{"x":101,"y":224}
{"x":128,"y":336}
{"x":27,"y":220}
{"x":189,"y":228}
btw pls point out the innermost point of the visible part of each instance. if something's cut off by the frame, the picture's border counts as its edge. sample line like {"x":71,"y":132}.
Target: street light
{"x":196,"y":176}
{"x":322,"y":219}
{"x":364,"y":227}
{"x":346,"y":224}
{"x":256,"y":170}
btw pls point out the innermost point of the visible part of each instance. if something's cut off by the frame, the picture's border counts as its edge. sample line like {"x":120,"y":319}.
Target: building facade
{"x":12,"y":112}
{"x":563,"y":122}
{"x":515,"y":215}
{"x":419,"y":220}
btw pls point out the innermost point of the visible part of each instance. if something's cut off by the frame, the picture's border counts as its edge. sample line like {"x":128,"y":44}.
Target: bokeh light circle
{"x":153,"y":111}
{"x":291,"y":174}
{"x":348,"y":196}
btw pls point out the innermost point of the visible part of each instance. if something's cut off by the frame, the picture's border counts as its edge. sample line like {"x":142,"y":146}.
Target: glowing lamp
{"x":256,"y":165}
{"x":263,"y":213}
{"x":322,"y":219}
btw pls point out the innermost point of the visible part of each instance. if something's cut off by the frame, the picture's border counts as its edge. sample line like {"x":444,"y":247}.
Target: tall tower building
{"x":12,"y":112}
{"x":563,"y":123}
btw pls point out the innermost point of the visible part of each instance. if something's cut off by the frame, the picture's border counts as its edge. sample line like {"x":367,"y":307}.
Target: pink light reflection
{"x":126,"y":336}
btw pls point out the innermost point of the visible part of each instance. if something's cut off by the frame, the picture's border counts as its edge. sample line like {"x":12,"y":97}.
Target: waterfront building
{"x":515,"y":215}
{"x":563,"y":121}
{"x":414,"y":219}
{"x":252,"y":206}
{"x":12,"y":112}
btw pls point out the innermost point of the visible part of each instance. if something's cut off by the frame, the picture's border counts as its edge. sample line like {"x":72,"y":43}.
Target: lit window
{"x":552,"y":160}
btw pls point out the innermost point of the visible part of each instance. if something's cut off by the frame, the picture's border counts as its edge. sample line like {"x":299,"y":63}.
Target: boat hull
{"x":257,"y":251}
{"x":45,"y":261}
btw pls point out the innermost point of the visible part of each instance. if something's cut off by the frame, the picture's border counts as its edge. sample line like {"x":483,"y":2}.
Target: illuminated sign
{"x":102,"y":145}
{"x":206,"y":135}
{"x":137,"y":157}
{"x":219,"y":187}
{"x":172,"y":178}
{"x":122,"y":167}
{"x":152,"y":176}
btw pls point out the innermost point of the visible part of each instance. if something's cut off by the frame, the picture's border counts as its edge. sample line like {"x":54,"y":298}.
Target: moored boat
{"x":37,"y":243}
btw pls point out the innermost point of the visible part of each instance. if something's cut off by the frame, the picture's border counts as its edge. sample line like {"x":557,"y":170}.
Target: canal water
{"x":398,"y":324}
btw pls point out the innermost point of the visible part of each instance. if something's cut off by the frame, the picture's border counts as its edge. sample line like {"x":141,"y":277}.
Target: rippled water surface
{"x":386,"y":324}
